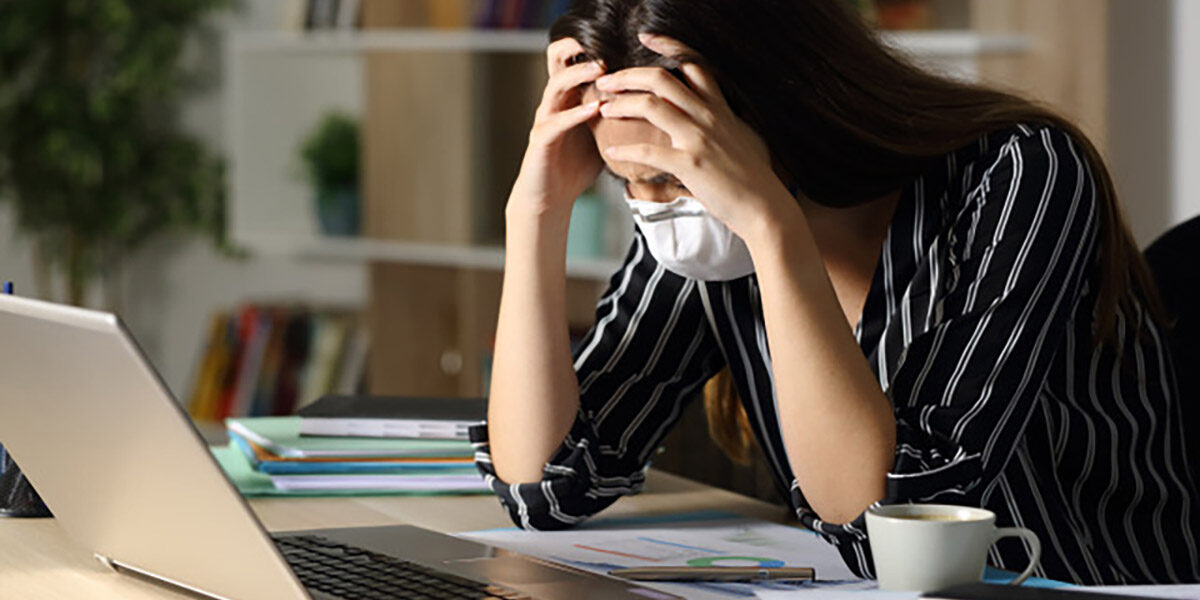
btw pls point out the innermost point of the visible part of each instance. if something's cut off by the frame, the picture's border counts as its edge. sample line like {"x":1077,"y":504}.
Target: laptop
{"x":126,"y":474}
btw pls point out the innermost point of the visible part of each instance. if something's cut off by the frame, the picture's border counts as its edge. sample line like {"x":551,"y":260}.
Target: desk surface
{"x":38,"y":561}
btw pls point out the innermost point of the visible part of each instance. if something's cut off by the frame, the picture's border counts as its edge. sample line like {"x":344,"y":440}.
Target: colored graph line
{"x":677,"y":545}
{"x":625,"y":554}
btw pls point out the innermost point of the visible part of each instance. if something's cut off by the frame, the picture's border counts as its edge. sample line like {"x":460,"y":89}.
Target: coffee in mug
{"x":925,"y":547}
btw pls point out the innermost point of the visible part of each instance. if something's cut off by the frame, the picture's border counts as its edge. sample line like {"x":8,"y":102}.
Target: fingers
{"x":679,"y":126}
{"x":670,"y":160}
{"x":560,"y":89}
{"x":661,"y":83}
{"x":559,"y":53}
{"x":698,"y":77}
{"x":557,"y":124}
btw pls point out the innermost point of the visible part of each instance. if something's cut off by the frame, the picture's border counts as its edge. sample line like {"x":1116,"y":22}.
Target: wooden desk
{"x":38,"y":561}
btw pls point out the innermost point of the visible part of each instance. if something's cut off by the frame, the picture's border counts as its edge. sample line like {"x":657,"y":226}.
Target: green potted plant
{"x":330,"y":154}
{"x":92,"y":158}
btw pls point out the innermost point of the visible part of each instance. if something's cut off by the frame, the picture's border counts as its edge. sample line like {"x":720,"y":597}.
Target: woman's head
{"x":804,"y":75}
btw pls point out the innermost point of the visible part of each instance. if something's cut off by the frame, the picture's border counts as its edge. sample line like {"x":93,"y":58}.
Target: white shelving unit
{"x":274,"y":98}
{"x":435,"y":255}
{"x":954,"y":43}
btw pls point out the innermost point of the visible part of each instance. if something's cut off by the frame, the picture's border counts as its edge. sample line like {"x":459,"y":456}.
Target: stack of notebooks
{"x":321,"y":453}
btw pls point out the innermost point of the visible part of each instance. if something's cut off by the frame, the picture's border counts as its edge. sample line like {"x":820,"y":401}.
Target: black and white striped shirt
{"x":978,"y":324}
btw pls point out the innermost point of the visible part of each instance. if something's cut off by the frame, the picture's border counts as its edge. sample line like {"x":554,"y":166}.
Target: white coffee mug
{"x":926,"y":547}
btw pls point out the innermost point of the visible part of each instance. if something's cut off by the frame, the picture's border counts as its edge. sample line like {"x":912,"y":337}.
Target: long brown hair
{"x":846,"y":118}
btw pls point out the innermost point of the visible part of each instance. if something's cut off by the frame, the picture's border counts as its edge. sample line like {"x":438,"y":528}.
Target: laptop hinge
{"x":125,"y":569}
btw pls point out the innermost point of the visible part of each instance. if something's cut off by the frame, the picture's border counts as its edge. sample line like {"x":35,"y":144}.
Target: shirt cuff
{"x":577,"y":482}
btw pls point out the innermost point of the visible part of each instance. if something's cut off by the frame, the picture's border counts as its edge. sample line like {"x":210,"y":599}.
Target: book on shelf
{"x":319,"y":15}
{"x":347,"y":14}
{"x":450,"y":14}
{"x":328,"y":346}
{"x":215,"y":363}
{"x":270,"y":359}
{"x":392,"y":416}
{"x":322,"y":14}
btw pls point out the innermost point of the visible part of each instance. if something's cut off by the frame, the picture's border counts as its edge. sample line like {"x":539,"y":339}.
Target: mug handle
{"x":1034,"y":543}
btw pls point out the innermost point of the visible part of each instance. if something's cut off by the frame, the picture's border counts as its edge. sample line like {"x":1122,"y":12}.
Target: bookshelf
{"x":488,"y":258}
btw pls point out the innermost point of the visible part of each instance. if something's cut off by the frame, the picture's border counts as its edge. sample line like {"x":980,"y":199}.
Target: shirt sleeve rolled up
{"x":648,"y":353}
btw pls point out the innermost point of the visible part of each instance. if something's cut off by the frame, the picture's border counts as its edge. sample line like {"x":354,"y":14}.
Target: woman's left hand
{"x":716,"y":155}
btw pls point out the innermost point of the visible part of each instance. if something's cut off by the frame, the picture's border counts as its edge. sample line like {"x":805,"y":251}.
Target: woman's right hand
{"x":561,"y":160}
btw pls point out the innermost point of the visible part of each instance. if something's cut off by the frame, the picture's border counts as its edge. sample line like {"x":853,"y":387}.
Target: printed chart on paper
{"x":697,"y":539}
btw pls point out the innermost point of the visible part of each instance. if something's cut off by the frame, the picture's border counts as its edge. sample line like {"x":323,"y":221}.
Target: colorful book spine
{"x":263,"y":360}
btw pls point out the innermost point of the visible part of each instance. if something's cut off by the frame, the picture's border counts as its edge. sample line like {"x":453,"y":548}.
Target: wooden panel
{"x":1067,"y":67}
{"x":418,"y":147}
{"x":432,"y":327}
{"x":413,"y":317}
{"x":479,"y":306}
{"x":513,"y":85}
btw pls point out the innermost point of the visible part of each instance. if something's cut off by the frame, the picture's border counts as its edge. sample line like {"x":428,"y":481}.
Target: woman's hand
{"x":561,"y":160}
{"x":717,"y":156}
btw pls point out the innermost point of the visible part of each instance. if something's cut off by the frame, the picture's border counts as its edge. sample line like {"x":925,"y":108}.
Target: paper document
{"x":695,"y":539}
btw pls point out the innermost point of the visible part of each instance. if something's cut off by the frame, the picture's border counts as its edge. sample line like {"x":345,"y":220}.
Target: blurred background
{"x":283,"y":198}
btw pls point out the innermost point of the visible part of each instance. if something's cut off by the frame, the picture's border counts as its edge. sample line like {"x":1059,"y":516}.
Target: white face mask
{"x":688,"y":240}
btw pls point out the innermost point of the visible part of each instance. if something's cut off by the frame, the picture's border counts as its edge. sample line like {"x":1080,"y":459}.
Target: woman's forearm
{"x":837,"y":425}
{"x":534,"y":393}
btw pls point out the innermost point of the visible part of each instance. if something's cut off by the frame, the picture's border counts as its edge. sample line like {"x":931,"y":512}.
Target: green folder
{"x":281,"y":436}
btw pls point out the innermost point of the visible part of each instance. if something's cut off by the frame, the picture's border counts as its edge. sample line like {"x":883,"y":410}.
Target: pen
{"x":716,"y":573}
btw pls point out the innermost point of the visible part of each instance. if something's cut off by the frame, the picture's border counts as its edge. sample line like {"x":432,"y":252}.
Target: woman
{"x":954,"y":309}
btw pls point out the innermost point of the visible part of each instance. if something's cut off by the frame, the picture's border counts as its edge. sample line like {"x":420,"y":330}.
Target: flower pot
{"x":339,"y":211}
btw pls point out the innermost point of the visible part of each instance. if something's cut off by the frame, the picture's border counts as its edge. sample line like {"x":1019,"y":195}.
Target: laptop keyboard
{"x":352,"y":573}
